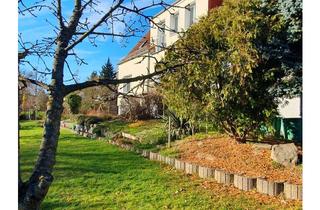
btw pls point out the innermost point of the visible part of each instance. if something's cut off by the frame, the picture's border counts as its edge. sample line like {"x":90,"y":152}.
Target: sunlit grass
{"x":91,"y":174}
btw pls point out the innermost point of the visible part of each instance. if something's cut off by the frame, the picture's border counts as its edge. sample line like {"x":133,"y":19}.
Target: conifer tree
{"x":107,"y":71}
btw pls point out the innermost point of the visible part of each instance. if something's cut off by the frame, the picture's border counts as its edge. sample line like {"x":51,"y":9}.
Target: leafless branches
{"x":79,"y":27}
{"x":26,"y":80}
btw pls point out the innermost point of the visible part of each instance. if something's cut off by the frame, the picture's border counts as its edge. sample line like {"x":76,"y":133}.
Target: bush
{"x":148,"y":106}
{"x":98,"y":130}
{"x":33,"y":115}
{"x":40,"y":115}
{"x":24,"y":116}
{"x":74,"y":102}
{"x":88,"y":120}
{"x":81,"y":119}
{"x":235,"y":65}
{"x":180,"y":127}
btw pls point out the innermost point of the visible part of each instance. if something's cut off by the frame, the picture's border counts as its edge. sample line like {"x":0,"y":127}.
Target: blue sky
{"x":35,"y":28}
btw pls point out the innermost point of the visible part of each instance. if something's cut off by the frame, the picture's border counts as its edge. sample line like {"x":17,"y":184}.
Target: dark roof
{"x":142,"y":47}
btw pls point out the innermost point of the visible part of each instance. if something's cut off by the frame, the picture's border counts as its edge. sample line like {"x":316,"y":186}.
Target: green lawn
{"x":92,"y":174}
{"x":150,"y":132}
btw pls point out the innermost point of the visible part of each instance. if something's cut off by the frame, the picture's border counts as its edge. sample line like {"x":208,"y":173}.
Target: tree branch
{"x":59,"y":14}
{"x":26,"y":80}
{"x":95,"y":26}
{"x":106,"y":82}
{"x":105,"y":34}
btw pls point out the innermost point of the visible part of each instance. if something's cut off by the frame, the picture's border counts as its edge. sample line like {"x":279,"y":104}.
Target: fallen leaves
{"x":227,"y":154}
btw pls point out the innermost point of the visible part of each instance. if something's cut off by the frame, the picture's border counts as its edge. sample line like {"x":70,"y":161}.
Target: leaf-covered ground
{"x":91,"y":174}
{"x":225,"y":153}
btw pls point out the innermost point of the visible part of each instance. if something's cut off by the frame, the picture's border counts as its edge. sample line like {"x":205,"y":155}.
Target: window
{"x":126,"y":87}
{"x":161,"y":36}
{"x":190,"y":15}
{"x":174,"y":23}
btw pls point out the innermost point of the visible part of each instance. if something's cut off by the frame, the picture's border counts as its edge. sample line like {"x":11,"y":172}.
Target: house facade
{"x":142,"y":58}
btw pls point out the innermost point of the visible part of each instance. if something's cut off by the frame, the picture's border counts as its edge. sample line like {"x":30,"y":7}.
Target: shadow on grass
{"x":115,"y":162}
{"x":92,"y":174}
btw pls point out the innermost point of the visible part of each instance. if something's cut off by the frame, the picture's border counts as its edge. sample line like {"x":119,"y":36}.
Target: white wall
{"x":133,"y":68}
{"x":292,"y":109}
{"x":201,"y":10}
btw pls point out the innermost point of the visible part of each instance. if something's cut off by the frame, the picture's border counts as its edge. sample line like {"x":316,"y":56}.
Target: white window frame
{"x":174,"y":23}
{"x":161,"y":39}
{"x":191,"y":9}
{"x":126,"y":87}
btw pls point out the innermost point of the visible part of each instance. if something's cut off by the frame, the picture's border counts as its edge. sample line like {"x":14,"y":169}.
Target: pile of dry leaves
{"x":227,"y":154}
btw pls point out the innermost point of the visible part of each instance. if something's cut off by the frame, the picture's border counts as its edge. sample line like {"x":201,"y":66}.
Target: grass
{"x":150,"y":132}
{"x":91,"y":174}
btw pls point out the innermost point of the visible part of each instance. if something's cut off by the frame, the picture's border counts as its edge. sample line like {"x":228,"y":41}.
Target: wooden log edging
{"x":244,"y":183}
{"x":161,"y":158}
{"x":153,"y":156}
{"x":262,"y":185}
{"x":179,"y":165}
{"x":145,"y":153}
{"x":269,"y":187}
{"x":205,"y":172}
{"x":293,"y":191}
{"x":191,"y":168}
{"x":170,"y":161}
{"x":223,"y":177}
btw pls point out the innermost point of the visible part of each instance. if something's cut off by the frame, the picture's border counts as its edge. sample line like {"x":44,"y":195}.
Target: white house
{"x":174,"y":19}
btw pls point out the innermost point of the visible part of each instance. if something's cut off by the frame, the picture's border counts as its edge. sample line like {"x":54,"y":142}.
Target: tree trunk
{"x":37,"y":186}
{"x":35,"y":189}
{"x":241,"y":140}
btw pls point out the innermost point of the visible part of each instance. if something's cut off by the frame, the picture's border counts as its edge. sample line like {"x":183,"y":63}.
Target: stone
{"x":129,"y":136}
{"x":285,"y":154}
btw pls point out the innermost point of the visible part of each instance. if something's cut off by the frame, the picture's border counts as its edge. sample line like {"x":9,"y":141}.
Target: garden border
{"x":261,"y":185}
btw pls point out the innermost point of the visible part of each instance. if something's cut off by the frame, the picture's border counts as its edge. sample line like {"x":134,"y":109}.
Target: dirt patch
{"x":227,"y":154}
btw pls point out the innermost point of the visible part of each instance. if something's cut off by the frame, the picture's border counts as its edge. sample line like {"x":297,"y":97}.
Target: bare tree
{"x":68,"y":34}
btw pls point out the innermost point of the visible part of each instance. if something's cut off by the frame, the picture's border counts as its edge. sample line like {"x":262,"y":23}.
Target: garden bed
{"x":228,"y":155}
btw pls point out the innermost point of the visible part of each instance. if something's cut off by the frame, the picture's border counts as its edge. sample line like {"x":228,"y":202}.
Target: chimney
{"x":213,"y":4}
